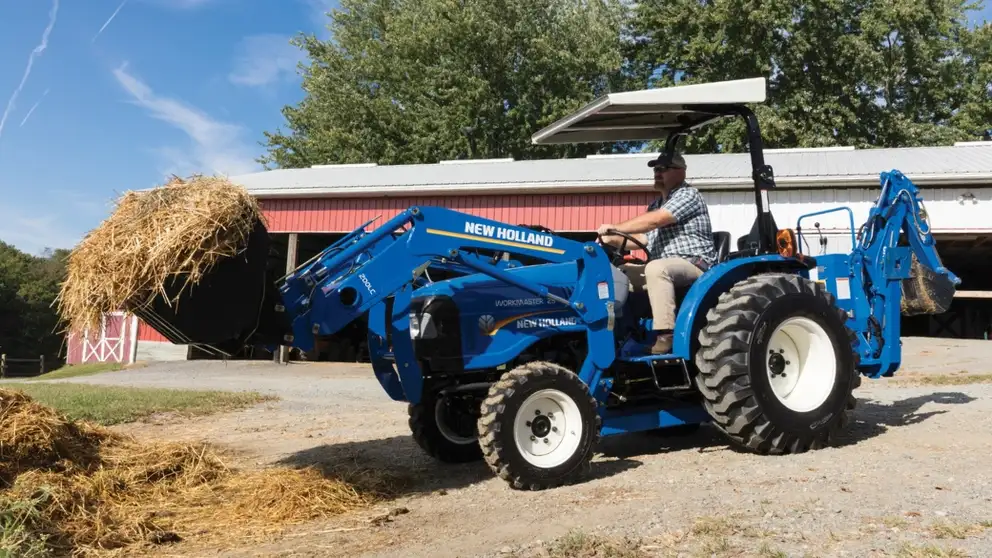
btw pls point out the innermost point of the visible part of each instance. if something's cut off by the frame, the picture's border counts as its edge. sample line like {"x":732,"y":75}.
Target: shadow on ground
{"x":411,"y":472}
{"x":408,"y":468}
{"x":871,"y":419}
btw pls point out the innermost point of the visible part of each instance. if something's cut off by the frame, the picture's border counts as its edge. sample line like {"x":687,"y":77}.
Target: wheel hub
{"x":777,"y":363}
{"x":801,"y":364}
{"x":547,"y":428}
{"x":541,"y":426}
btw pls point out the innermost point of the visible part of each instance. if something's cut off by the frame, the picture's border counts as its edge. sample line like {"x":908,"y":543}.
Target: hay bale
{"x":176,"y":231}
{"x":97,"y":492}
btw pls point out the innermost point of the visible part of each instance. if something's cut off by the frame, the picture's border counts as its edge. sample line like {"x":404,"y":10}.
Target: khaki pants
{"x":660,"y":278}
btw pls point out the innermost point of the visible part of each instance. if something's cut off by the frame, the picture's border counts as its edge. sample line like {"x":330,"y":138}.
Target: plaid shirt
{"x":691,"y":236}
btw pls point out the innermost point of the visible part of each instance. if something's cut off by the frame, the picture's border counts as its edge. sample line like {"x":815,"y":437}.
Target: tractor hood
{"x":651,"y":114}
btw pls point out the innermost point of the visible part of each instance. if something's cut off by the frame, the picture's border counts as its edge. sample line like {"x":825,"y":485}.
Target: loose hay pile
{"x":925,"y":291}
{"x":178,"y":230}
{"x":96,"y":491}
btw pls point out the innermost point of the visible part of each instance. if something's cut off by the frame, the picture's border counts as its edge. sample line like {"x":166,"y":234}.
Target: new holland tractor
{"x":532,"y":348}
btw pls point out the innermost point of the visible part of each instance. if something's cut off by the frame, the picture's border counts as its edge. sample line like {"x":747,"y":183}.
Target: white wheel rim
{"x":548,"y":428}
{"x":801,"y":364}
{"x":445,"y":430}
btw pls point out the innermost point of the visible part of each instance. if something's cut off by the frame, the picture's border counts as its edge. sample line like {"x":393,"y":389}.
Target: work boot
{"x":662,"y":344}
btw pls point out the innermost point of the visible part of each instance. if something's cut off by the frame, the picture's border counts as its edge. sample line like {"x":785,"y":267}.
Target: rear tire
{"x":777,"y":365}
{"x":441,"y":438}
{"x":539,"y":427}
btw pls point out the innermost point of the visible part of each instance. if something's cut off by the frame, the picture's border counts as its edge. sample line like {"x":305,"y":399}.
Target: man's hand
{"x":601,"y":231}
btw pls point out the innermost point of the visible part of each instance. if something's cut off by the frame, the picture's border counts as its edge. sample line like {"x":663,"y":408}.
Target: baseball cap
{"x":675,"y":162}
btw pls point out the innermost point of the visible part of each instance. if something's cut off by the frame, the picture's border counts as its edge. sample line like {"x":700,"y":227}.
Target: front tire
{"x":539,"y":427}
{"x":777,"y":365}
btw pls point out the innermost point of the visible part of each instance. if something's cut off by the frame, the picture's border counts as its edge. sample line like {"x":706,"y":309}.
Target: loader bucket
{"x":925,"y":291}
{"x":232,"y":305}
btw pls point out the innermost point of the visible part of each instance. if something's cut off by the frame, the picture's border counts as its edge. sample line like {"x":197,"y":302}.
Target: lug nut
{"x":528,"y":424}
{"x":532,"y":438}
{"x":546,"y":441}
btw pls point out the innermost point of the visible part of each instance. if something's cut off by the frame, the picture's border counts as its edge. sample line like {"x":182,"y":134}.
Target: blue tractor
{"x":531,"y":348}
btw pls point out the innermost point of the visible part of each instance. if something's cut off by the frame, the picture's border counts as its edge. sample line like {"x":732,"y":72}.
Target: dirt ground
{"x":914,"y":470}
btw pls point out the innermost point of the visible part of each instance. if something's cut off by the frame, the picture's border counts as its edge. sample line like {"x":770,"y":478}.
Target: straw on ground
{"x":78,"y":488}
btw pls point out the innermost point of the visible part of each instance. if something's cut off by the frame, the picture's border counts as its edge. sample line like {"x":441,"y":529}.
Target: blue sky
{"x":100,"y":97}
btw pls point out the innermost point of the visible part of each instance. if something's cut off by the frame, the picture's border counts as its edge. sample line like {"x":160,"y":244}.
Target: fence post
{"x":3,"y":365}
{"x":42,"y":361}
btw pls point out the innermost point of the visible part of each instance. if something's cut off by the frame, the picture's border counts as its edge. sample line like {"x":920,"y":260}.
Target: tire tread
{"x":722,"y":361}
{"x":495,"y":454}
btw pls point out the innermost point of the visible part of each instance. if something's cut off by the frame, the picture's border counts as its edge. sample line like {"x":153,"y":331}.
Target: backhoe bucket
{"x":232,"y":305}
{"x":925,"y":291}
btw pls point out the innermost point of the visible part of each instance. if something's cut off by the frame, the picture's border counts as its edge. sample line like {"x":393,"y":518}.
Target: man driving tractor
{"x":677,"y":231}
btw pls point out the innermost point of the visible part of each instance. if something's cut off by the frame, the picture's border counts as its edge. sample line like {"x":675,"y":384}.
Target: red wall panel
{"x":566,"y":212}
{"x":147,"y":333}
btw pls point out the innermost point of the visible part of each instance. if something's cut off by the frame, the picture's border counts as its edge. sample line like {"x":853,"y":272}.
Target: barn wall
{"x":568,"y":212}
{"x":147,"y":333}
{"x":150,"y":351}
{"x":951,"y":210}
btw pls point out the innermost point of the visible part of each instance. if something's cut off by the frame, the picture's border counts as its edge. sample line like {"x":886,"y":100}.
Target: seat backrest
{"x":721,"y":241}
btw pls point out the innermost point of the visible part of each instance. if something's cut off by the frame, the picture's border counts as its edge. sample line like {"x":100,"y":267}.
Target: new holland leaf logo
{"x":489,"y":326}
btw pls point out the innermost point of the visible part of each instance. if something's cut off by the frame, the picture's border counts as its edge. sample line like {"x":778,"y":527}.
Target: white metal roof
{"x":957,"y":165}
{"x":650,"y":114}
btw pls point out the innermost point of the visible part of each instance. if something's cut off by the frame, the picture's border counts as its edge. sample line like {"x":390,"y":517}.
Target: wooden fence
{"x":5,"y":362}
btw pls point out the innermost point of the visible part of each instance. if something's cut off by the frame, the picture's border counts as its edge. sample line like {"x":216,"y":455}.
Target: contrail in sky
{"x":30,"y":112}
{"x":34,"y":54}
{"x":111,"y":18}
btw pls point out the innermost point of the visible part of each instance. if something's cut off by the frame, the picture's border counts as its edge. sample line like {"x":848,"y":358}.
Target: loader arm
{"x":868,"y":282}
{"x":346,"y":282}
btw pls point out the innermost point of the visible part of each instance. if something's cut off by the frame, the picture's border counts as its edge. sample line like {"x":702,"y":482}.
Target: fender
{"x":705,"y":291}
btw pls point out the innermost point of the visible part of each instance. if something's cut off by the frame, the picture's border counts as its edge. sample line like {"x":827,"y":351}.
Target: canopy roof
{"x":651,"y":114}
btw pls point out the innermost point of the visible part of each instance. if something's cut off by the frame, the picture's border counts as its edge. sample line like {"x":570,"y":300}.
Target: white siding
{"x":949,"y":212}
{"x":157,"y":351}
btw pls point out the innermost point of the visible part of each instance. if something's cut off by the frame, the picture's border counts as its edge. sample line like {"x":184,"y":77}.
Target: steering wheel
{"x":616,"y":255}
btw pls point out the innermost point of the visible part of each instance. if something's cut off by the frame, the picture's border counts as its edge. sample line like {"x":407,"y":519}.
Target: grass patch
{"x":951,"y":530}
{"x":107,"y":405}
{"x":580,"y":545}
{"x":929,"y":551}
{"x":17,"y":538}
{"x":946,"y":379}
{"x":77,"y":370}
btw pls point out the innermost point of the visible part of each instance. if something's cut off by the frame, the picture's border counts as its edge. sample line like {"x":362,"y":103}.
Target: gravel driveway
{"x":913,"y":470}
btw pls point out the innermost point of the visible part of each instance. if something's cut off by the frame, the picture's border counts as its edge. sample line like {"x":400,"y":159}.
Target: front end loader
{"x":529,"y":366}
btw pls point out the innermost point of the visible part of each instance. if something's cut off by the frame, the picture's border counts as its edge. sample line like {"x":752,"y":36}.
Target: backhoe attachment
{"x":893,"y":269}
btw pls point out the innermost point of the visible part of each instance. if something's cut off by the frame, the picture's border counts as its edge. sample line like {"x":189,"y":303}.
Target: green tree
{"x":29,"y":324}
{"x":413,"y":81}
{"x":869,"y":73}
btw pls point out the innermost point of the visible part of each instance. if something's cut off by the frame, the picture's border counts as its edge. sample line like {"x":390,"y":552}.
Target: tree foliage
{"x":868,"y":73}
{"x":29,"y":324}
{"x":408,"y":81}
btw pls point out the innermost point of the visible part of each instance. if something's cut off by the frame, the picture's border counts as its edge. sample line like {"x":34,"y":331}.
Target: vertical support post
{"x":292,"y":245}
{"x":3,"y":365}
{"x":41,"y":361}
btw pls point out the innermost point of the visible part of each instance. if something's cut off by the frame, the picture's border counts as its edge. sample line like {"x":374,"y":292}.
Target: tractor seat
{"x":721,"y":241}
